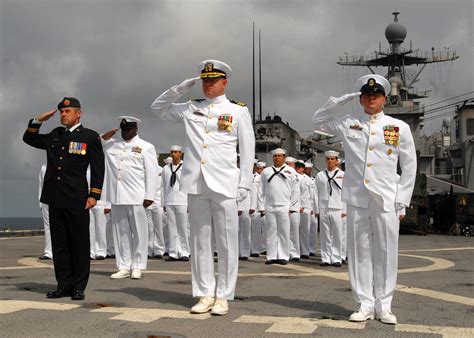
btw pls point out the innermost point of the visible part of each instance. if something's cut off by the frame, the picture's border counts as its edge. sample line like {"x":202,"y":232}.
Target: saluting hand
{"x":46,"y":115}
{"x":91,"y":202}
{"x":147,"y":203}
{"x":186,"y":85}
{"x":108,"y":135}
{"x":346,"y":98}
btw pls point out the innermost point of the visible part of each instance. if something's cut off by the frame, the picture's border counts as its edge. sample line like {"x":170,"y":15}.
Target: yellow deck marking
{"x":438,"y":264}
{"x":292,"y":325}
{"x":145,"y":315}
{"x":447,"y":297}
{"x":440,"y":249}
{"x":9,"y":306}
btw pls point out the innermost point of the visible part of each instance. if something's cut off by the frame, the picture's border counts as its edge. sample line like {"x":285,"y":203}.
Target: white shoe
{"x":220,"y":307}
{"x":136,"y":274}
{"x":387,"y":318}
{"x":120,"y":274}
{"x":361,"y":315}
{"x":204,"y":305}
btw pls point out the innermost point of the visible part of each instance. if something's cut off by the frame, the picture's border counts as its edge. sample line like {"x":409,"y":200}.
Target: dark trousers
{"x":71,"y":247}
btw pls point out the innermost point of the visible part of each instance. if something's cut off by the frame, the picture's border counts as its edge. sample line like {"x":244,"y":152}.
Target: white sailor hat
{"x":128,"y":121}
{"x":261,"y":164}
{"x":290,"y":159}
{"x":213,"y":69}
{"x":278,"y":151}
{"x":176,"y":148}
{"x":255,"y":161}
{"x":331,"y":153}
{"x":168,"y":160}
{"x":308,"y":165}
{"x":372,"y":83}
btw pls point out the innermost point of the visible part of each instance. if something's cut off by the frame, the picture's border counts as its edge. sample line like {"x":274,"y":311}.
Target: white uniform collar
{"x":133,"y":139}
{"x":368,"y":117}
{"x":74,"y":127}
{"x":217,"y":100}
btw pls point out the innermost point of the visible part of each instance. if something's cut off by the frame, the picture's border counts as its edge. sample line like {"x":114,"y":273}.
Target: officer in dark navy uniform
{"x":70,"y":151}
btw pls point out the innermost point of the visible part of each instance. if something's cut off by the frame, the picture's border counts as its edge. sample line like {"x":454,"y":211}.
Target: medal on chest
{"x":224,"y":122}
{"x":137,"y":149}
{"x":77,"y":148}
{"x":391,"y":135}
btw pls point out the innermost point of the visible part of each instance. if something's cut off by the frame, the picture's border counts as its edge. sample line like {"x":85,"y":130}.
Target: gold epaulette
{"x":242,"y":104}
{"x":32,"y":130}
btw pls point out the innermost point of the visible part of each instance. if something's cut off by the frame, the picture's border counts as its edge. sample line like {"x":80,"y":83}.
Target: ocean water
{"x":21,"y":223}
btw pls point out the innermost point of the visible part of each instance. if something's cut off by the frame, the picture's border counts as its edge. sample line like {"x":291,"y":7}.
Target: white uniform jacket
{"x":214,"y":128}
{"x":305,"y":191}
{"x":279,"y":191}
{"x":371,"y":158}
{"x":159,"y":200}
{"x":254,"y":191}
{"x":131,"y":171}
{"x":172,"y":194}
{"x":326,"y":199}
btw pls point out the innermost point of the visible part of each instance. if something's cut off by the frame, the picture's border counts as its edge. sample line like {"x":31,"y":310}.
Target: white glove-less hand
{"x":241,"y":194}
{"x":346,"y":98}
{"x":186,"y":85}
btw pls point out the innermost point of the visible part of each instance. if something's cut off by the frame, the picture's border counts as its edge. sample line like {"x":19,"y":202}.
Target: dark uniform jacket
{"x":69,"y":154}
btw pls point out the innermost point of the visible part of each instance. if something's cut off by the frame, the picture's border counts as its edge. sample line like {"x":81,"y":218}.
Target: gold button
{"x":371,"y":148}
{"x":210,"y":117}
{"x":62,"y":148}
{"x":203,"y":162}
{"x":207,"y":131}
{"x":372,"y":133}
{"x":369,"y":165}
{"x":61,"y":158}
{"x":59,"y":178}
{"x":59,"y":168}
{"x":212,"y":106}
{"x":205,"y":146}
{"x":372,"y":121}
{"x":366,"y":181}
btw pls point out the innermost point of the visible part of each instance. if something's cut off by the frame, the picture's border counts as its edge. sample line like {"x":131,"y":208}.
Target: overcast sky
{"x":118,"y":56}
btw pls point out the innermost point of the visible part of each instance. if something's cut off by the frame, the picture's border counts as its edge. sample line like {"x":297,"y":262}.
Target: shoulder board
{"x":198,"y":100}
{"x":242,"y":104}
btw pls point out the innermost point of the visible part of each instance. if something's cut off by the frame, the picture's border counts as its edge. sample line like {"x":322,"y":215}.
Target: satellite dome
{"x":395,"y":32}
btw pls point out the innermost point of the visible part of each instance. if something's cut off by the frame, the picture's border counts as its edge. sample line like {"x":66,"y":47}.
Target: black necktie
{"x":331,"y":179}
{"x":275,"y":173}
{"x":173,"y":174}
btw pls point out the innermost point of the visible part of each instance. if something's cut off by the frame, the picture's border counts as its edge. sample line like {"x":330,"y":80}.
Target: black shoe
{"x":158,"y":256}
{"x":44,"y":258}
{"x":304,"y":257}
{"x":263,"y":253}
{"x":312,"y":254}
{"x":184,"y":259}
{"x":166,"y":254}
{"x":215,"y":254}
{"x":171,"y":259}
{"x":271,"y":261}
{"x":78,"y":295}
{"x":100,"y":258}
{"x":343,"y":261}
{"x":110,"y":256}
{"x":243,"y":258}
{"x":255,"y":255}
{"x":337,"y":264}
{"x":324,"y":264}
{"x":59,"y":293}
{"x":295,"y":259}
{"x":282,"y":261}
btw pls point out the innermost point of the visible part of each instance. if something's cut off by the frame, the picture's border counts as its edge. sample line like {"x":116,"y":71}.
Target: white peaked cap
{"x":129,"y":119}
{"x":378,"y":79}
{"x":216,"y":65}
{"x":331,"y":153}
{"x":278,"y":151}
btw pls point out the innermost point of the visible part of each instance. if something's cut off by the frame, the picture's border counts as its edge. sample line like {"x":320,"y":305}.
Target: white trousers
{"x":313,"y":234}
{"x":256,"y":232}
{"x":156,"y":241}
{"x":344,"y":238}
{"x":244,"y":234}
{"x":294,"y":249}
{"x":278,"y":232}
{"x":98,"y":232}
{"x":213,"y":211}
{"x":109,"y":235}
{"x":330,"y":235}
{"x":305,"y":223}
{"x":130,"y":231}
{"x":48,"y":252}
{"x":264,"y":233}
{"x":165,"y":231}
{"x":372,"y":237}
{"x":178,"y":238}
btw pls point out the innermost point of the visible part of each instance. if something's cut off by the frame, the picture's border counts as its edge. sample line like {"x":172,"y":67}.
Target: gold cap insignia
{"x":66,"y":102}
{"x":208,"y":67}
{"x":371,"y":82}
